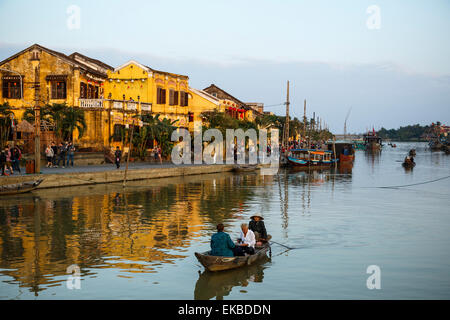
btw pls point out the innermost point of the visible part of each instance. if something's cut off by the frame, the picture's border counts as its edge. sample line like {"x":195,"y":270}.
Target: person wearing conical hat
{"x":256,"y":224}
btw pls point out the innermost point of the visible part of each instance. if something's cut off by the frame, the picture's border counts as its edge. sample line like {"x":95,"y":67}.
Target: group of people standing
{"x":10,"y":160}
{"x":252,"y":234}
{"x":118,"y":155}
{"x":64,"y":152}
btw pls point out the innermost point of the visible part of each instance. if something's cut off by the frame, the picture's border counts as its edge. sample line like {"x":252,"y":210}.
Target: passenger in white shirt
{"x":246,"y":242}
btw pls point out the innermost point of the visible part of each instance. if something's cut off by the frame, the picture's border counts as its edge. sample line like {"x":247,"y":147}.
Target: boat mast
{"x":286,"y":126}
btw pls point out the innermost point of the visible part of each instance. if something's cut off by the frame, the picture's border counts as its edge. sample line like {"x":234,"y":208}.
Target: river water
{"x":140,"y":243}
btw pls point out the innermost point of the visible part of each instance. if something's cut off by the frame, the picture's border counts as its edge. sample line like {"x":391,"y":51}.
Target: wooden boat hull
{"x":18,"y":188}
{"x":346,"y":158}
{"x":215,"y":263}
{"x":373,"y":146}
{"x":408,"y":165}
{"x":311,"y":164}
{"x":297,"y":162}
{"x":244,"y":168}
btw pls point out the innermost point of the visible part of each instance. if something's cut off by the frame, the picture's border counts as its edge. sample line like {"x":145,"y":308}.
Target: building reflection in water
{"x":103,"y":226}
{"x":220,"y":284}
{"x":133,"y":230}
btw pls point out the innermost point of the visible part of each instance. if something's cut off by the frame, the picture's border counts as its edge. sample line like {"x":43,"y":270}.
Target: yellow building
{"x":134,"y":88}
{"x":38,"y":76}
{"x":110,"y":96}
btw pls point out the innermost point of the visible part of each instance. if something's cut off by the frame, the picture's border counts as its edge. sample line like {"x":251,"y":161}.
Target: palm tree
{"x":5,"y":123}
{"x":53,"y":113}
{"x":72,"y":119}
{"x":165,"y":128}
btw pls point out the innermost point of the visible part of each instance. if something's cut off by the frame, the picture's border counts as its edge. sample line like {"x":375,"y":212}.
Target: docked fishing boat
{"x":17,"y":188}
{"x":311,"y":158}
{"x":372,"y":141}
{"x":345,"y":150}
{"x":215,"y":263}
{"x":245,"y":167}
{"x":359,"y":144}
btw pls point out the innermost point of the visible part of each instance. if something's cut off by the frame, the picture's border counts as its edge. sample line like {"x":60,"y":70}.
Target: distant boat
{"x":17,"y":188}
{"x":372,"y":141}
{"x":408,"y":164}
{"x":310,"y":158}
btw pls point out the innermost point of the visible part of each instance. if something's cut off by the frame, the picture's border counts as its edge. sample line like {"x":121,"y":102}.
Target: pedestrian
{"x":55,"y":154}
{"x":3,"y":162}
{"x":8,"y":160}
{"x":49,"y":155}
{"x":118,"y":156}
{"x":155,"y":153}
{"x":16,"y":155}
{"x":70,"y":153}
{"x":62,"y":150}
{"x":160,"y":155}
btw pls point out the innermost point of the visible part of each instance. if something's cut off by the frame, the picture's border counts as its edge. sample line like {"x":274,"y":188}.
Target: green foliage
{"x":408,"y":133}
{"x":223,"y":121}
{"x":154,"y":128}
{"x":72,"y":118}
{"x":64,"y":118}
{"x":296,"y":127}
{"x":5,"y":123}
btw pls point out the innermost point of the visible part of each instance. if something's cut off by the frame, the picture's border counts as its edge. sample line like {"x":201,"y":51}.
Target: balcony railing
{"x":117,"y":105}
{"x":131,"y":106}
{"x":91,"y":103}
{"x":146,"y":107}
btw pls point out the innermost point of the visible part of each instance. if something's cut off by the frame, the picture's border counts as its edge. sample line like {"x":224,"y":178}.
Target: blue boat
{"x":311,"y":158}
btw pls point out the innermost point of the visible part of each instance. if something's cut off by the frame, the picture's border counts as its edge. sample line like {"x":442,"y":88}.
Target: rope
{"x":414,"y":184}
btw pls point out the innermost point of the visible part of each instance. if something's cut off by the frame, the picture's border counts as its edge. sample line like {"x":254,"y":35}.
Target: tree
{"x":72,"y":119}
{"x":53,"y":113}
{"x":5,"y":123}
{"x":153,"y":128}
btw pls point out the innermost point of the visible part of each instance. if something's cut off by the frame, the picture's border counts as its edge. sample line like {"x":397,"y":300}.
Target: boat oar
{"x":283,"y":245}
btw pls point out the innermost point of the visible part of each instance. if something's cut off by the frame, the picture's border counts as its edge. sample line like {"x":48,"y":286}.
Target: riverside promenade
{"x":107,"y":173}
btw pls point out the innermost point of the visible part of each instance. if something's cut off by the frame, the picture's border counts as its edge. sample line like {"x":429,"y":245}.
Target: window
{"x":83,"y":90}
{"x":90,"y":94}
{"x":173,"y":97}
{"x":118,"y":132}
{"x":183,"y":98}
{"x":161,"y":96}
{"x":11,"y":88}
{"x":59,"y":90}
{"x":176,"y":95}
{"x":191,"y":116}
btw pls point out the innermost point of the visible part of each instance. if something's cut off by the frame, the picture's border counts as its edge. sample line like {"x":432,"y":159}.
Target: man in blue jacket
{"x":221,"y":243}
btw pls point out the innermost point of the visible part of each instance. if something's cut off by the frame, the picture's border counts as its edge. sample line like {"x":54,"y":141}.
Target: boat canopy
{"x":309,"y":150}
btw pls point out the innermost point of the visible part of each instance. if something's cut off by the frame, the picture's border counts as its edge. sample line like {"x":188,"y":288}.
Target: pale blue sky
{"x":251,"y":48}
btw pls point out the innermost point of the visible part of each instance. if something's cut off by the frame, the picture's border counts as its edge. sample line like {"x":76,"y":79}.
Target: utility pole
{"x":130,"y":145}
{"x":37,"y":115}
{"x":304,"y":120}
{"x":286,"y":126}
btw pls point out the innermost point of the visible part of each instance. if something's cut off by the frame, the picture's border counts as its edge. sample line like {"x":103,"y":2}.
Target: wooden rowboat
{"x":409,"y":164}
{"x":11,"y":189}
{"x":245,"y":167}
{"x":215,"y":263}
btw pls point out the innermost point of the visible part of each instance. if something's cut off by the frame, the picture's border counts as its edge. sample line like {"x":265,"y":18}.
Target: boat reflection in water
{"x":219,"y":284}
